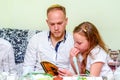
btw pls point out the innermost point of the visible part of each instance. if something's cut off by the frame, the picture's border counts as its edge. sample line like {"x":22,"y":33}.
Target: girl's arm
{"x":96,"y":69}
{"x":73,"y":53}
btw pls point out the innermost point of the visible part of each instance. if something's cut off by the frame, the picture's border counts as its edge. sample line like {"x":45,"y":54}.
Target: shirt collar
{"x":62,"y":40}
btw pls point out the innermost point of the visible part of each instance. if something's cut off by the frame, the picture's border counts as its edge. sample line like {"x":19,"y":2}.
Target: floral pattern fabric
{"x":19,"y":39}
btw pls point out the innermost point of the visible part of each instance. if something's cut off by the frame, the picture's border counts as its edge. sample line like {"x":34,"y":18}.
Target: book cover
{"x":49,"y":68}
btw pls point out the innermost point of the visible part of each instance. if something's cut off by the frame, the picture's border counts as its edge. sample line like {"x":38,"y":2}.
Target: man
{"x":7,"y":60}
{"x":53,"y":45}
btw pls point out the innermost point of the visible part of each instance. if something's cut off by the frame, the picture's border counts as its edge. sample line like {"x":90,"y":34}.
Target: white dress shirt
{"x":40,"y":48}
{"x":7,"y":60}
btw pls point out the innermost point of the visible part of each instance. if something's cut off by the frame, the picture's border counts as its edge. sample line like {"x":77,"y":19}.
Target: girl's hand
{"x":74,"y":51}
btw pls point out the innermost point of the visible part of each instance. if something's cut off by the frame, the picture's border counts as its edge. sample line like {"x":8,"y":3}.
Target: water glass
{"x":19,"y":68}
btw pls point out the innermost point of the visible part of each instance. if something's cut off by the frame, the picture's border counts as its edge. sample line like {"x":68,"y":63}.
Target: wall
{"x":31,"y":14}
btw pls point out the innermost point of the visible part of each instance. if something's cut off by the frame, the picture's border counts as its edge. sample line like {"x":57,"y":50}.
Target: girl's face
{"x":80,"y":42}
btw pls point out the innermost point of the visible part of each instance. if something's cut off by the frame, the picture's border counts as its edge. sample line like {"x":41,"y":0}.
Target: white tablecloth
{"x":87,"y":78}
{"x":6,"y":76}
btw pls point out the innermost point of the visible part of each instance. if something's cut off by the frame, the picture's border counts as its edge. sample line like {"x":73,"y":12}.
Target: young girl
{"x":90,"y":51}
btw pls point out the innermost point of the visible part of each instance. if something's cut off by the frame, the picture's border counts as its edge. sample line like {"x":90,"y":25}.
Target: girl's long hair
{"x":92,"y":35}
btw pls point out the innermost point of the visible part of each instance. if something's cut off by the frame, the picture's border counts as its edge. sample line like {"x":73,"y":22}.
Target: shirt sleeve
{"x":8,"y":58}
{"x":30,"y":57}
{"x":11,"y":58}
{"x":98,"y":55}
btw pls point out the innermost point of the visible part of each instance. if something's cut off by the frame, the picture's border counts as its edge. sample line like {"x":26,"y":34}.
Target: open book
{"x":49,"y":68}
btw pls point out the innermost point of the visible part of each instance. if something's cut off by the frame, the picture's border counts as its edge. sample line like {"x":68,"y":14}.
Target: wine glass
{"x":117,"y":71}
{"x":113,"y":61}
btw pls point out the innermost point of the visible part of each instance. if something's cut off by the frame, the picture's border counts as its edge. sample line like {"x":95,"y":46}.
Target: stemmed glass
{"x":117,"y":71}
{"x":113,"y":60}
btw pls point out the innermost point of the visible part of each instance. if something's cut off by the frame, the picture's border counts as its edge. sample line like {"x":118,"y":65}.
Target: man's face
{"x":57,"y":22}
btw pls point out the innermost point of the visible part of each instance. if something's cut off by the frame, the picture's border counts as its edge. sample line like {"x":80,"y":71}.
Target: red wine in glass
{"x":112,"y":65}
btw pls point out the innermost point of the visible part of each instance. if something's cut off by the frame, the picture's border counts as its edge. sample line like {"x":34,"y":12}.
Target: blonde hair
{"x":56,"y":7}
